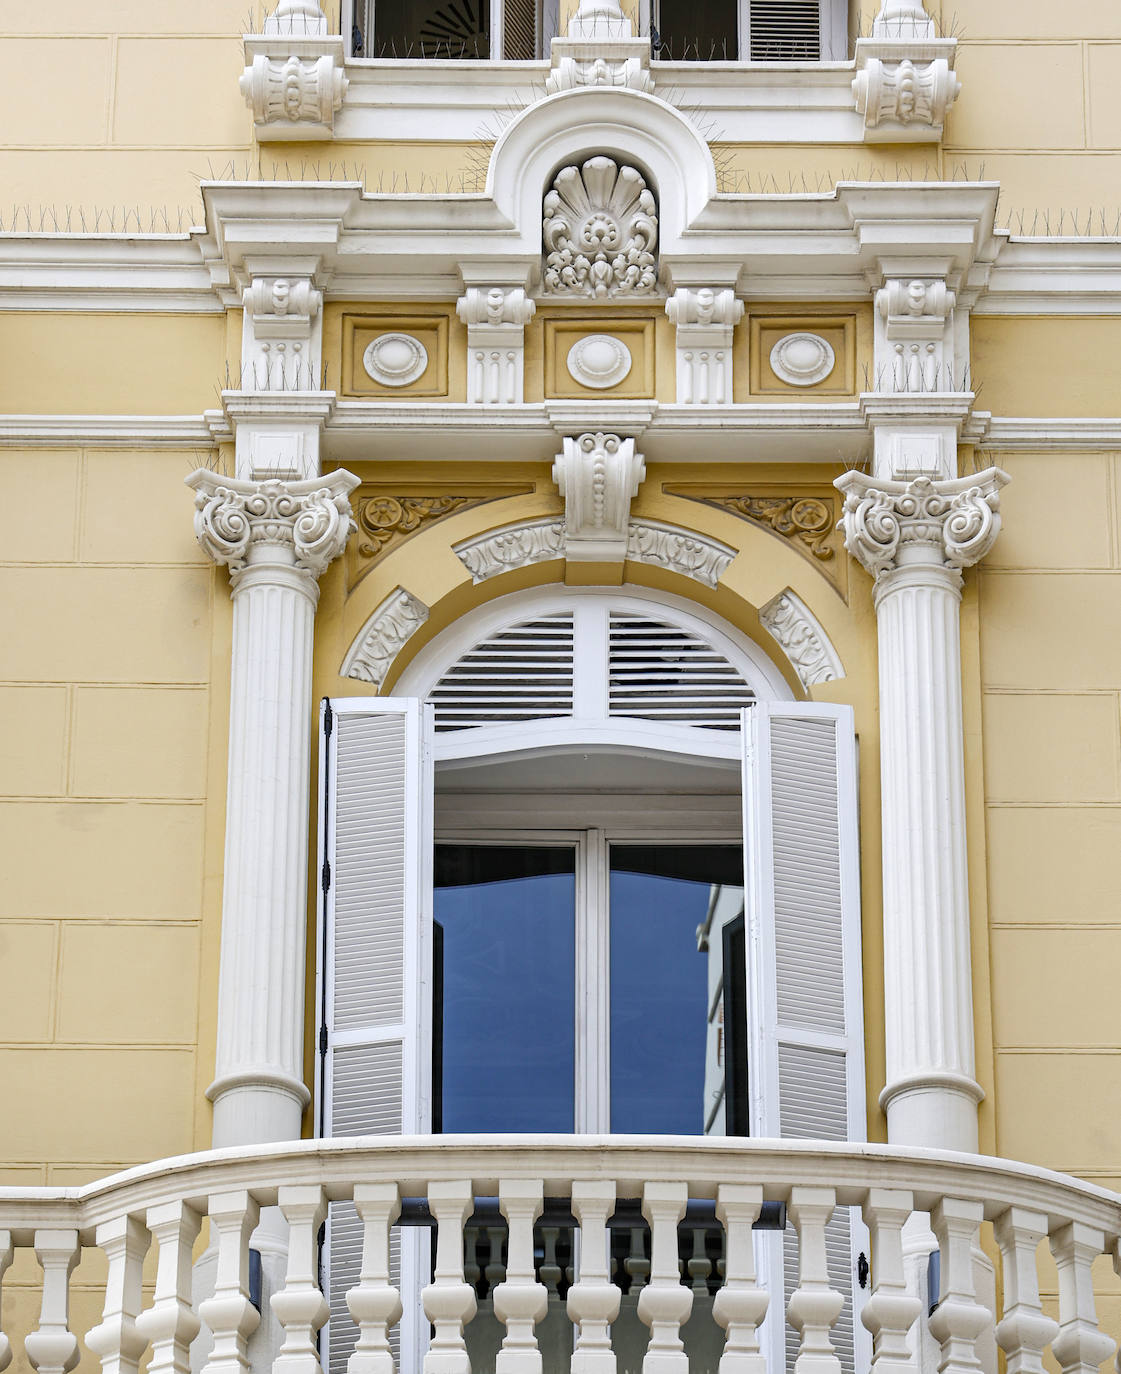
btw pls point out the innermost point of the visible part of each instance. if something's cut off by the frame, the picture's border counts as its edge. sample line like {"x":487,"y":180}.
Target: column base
{"x":938,"y":1110}
{"x":257,"y":1108}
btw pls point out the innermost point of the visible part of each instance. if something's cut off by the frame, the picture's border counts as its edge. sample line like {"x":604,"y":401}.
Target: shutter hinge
{"x":328,"y":717}
{"x":325,"y":877}
{"x":322,"y":1039}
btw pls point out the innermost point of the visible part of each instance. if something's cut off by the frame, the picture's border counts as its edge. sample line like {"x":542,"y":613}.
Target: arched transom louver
{"x":593,"y":660}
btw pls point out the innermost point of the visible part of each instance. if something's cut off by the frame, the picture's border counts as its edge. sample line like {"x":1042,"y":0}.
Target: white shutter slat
{"x":807,"y":1035}
{"x":785,"y":31}
{"x":375,"y":827}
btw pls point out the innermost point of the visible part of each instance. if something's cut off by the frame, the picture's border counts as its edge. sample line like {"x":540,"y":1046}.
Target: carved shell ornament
{"x":600,"y":230}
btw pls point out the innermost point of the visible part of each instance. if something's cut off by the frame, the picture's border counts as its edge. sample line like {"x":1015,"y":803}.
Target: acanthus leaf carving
{"x":951,"y":524}
{"x":382,"y":518}
{"x":909,"y":92}
{"x":681,"y":551}
{"x":383,"y":636}
{"x":805,"y":519}
{"x":516,"y":546}
{"x":807,"y":646}
{"x":600,"y":229}
{"x":303,"y":524}
{"x":572,"y":73}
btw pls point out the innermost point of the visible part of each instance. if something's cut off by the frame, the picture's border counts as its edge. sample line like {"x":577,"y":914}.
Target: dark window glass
{"x":504,"y":978}
{"x":438,"y":28}
{"x":670,"y":905}
{"x":700,"y":31}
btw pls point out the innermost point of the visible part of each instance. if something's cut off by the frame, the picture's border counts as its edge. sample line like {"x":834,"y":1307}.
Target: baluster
{"x":636,"y":1264}
{"x":593,"y":1300}
{"x":665,"y":1303}
{"x":125,"y":1241}
{"x":699,"y":1266}
{"x":53,"y":1348}
{"x":891,"y":1310}
{"x":520,"y":1301}
{"x":1024,"y":1331}
{"x":550,"y":1269}
{"x":472,"y":1270}
{"x":170,"y":1324}
{"x":1080,"y":1345}
{"x":449,"y":1301}
{"x":814,"y":1305}
{"x":740,"y":1305}
{"x":959,"y":1318}
{"x":229,"y":1314}
{"x":374,"y":1304}
{"x":495,"y":1271}
{"x":299,"y":1306}
{"x":6,"y":1251}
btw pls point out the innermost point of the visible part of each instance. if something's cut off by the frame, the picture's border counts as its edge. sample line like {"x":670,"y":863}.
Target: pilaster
{"x":915,"y":537}
{"x":276,"y":537}
{"x":705,"y":318}
{"x":496,"y":317}
{"x":295,"y":78}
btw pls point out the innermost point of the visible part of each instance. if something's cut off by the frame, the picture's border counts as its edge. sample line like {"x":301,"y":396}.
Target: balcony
{"x":688,"y":1209}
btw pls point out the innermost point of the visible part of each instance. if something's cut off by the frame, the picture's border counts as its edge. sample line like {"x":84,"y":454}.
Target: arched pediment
{"x":627,"y":125}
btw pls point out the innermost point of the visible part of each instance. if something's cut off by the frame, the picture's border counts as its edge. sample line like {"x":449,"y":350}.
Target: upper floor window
{"x":459,"y":30}
{"x":749,"y":30}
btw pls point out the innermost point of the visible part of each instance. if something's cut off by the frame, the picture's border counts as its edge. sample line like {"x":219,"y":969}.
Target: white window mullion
{"x":590,"y":659}
{"x":593,"y":1023}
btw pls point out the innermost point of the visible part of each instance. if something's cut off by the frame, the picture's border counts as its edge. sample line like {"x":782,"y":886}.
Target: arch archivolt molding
{"x":444,"y":572}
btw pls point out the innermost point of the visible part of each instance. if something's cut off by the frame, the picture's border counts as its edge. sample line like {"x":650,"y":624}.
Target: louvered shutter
{"x":806,"y":1061}
{"x":785,"y":30}
{"x":519,"y":30}
{"x":376,"y":840}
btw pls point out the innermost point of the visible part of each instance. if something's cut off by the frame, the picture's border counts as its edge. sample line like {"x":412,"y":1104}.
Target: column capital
{"x":949,"y":524}
{"x":303,"y":525}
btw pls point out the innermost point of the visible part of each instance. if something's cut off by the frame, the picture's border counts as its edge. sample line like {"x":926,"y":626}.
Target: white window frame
{"x":834,"y":27}
{"x":367,"y":8}
{"x":592,"y":1022}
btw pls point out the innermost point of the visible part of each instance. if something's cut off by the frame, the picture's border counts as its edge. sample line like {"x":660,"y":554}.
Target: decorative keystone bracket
{"x":904,"y":88}
{"x":621,"y":62}
{"x":281,"y":334}
{"x":914,"y":328}
{"x":496,"y":317}
{"x":598,"y":476}
{"x":295,"y":79}
{"x":952,"y":524}
{"x":706,"y":318}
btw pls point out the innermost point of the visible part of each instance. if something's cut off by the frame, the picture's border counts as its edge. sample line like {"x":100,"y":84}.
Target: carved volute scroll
{"x":600,"y":229}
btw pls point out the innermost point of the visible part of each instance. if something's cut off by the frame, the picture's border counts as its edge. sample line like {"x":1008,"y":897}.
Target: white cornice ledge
{"x":107,"y":431}
{"x":1072,"y":434}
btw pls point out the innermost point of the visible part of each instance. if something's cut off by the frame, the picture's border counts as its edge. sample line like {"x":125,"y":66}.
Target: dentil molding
{"x":383,"y":636}
{"x":949,"y":524}
{"x":295,"y":78}
{"x":304,"y":525}
{"x":809,"y":649}
{"x":598,"y":476}
{"x":600,"y":229}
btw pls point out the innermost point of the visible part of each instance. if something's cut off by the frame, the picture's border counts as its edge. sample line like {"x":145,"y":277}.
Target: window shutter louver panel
{"x":785,"y":31}
{"x":807,"y":1041}
{"x":376,"y":836}
{"x":519,"y":30}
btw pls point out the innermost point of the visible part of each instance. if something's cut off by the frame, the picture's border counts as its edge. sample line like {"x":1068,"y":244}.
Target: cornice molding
{"x":107,"y":431}
{"x":383,"y":636}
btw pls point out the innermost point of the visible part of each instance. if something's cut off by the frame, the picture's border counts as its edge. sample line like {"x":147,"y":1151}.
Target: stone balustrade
{"x":528,"y":1228}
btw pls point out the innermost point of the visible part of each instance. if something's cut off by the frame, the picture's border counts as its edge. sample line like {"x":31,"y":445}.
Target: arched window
{"x":594,"y":871}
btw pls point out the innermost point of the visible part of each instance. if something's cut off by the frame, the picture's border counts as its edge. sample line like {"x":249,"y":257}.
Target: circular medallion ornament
{"x":599,"y":361}
{"x":802,"y":359}
{"x":395,"y":359}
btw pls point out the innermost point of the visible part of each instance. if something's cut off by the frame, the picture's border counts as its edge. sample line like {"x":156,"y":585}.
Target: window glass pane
{"x":698,"y":31}
{"x":430,"y":28}
{"x":504,"y":994}
{"x":676,"y":965}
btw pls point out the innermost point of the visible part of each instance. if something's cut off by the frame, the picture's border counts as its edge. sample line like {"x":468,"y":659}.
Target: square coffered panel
{"x":803,"y":355}
{"x":591,"y":357}
{"x":395,"y":355}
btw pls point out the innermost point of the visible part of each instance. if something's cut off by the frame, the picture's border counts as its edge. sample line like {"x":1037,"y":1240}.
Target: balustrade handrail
{"x":414,"y":1162}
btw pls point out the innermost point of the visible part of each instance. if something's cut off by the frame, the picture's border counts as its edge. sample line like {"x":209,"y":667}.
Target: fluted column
{"x":276,"y":538}
{"x":915,"y":538}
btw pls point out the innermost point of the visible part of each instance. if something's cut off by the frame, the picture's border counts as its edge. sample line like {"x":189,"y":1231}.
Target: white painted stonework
{"x":516,"y":546}
{"x":281,"y":334}
{"x":387,"y":631}
{"x":496,"y":317}
{"x":803,"y":641}
{"x":915,"y":537}
{"x":600,"y":227}
{"x":598,"y":476}
{"x":295,"y":78}
{"x":395,"y":359}
{"x":599,"y":361}
{"x":276,"y":538}
{"x":692,"y":555}
{"x":802,"y":359}
{"x":706,"y":318}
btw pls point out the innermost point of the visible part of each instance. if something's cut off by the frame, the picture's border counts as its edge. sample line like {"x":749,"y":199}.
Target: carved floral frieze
{"x":386,"y":519}
{"x":600,"y":230}
{"x":517,"y":546}
{"x":807,"y":646}
{"x":383,"y":636}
